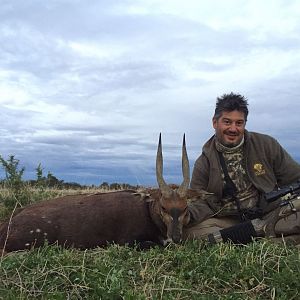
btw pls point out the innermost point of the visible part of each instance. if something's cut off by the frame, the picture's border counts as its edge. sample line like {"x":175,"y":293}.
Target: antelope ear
{"x":197,"y":194}
{"x":154,"y":193}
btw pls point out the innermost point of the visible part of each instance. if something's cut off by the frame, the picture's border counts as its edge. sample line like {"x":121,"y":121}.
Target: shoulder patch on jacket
{"x":259,"y":169}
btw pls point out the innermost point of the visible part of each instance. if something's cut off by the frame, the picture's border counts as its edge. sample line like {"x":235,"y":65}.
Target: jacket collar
{"x":210,"y":146}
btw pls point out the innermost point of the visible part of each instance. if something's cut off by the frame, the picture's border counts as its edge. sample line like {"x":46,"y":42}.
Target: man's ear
{"x":214,"y":121}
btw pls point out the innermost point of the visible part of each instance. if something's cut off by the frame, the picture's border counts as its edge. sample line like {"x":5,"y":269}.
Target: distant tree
{"x":13,"y":174}
{"x":104,"y":185}
{"x":39,"y":172}
{"x":19,"y":194}
{"x":41,"y":181}
{"x":71,"y":185}
{"x":52,"y":181}
{"x":115,"y":186}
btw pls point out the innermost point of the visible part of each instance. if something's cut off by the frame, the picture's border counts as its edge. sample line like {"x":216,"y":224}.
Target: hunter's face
{"x":230,"y":128}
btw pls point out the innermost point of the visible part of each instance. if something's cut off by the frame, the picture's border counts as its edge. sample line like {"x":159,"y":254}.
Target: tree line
{"x":14,"y":178}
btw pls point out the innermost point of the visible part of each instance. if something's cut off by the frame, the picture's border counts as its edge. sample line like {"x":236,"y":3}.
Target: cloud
{"x":86,"y":87}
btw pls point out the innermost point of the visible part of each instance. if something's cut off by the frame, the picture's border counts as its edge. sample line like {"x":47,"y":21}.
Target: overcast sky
{"x":87,"y":85}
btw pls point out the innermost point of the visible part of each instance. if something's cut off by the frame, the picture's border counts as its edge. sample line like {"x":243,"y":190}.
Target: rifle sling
{"x":230,"y":187}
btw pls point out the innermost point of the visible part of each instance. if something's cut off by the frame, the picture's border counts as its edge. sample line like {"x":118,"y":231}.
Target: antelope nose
{"x":176,"y":238}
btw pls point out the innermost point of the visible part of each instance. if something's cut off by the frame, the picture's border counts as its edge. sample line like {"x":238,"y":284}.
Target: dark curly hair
{"x":231,"y":102}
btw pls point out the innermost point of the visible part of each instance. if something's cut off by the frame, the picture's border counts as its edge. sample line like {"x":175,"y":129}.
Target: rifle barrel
{"x":274,"y":195}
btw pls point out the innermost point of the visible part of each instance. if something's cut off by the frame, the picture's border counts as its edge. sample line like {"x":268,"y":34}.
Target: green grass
{"x":194,"y":270}
{"x":261,"y":270}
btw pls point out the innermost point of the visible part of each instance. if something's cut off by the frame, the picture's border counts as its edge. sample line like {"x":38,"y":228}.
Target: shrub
{"x":18,"y":193}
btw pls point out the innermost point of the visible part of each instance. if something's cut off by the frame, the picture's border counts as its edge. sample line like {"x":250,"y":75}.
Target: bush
{"x":18,"y":193}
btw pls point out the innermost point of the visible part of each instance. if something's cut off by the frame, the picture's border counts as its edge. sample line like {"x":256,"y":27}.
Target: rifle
{"x":257,"y":212}
{"x":257,"y":225}
{"x":292,"y":189}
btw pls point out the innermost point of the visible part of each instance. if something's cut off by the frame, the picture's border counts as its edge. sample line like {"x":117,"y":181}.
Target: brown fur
{"x":124,"y":217}
{"x":88,"y":221}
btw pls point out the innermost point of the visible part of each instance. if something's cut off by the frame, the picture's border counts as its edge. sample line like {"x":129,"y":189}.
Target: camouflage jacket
{"x":267,"y":166}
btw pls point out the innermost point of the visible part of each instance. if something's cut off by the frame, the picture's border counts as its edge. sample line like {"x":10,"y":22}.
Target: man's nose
{"x":233,"y":127}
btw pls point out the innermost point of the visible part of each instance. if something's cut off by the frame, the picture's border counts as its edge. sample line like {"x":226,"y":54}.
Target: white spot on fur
{"x":49,"y":222}
{"x":45,"y":233}
{"x":27,"y":245}
{"x":38,"y":230}
{"x":31,"y":231}
{"x":43,"y":217}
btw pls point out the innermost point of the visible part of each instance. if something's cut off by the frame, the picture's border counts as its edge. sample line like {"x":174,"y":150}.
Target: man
{"x":236,"y":168}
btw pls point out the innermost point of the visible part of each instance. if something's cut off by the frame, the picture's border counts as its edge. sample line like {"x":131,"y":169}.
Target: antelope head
{"x":172,"y":203}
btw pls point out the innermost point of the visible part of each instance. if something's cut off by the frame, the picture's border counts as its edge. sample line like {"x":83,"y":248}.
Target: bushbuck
{"x":87,"y":221}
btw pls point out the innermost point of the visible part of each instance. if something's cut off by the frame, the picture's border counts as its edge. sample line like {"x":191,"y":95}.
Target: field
{"x":191,"y":271}
{"x":194,"y":270}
